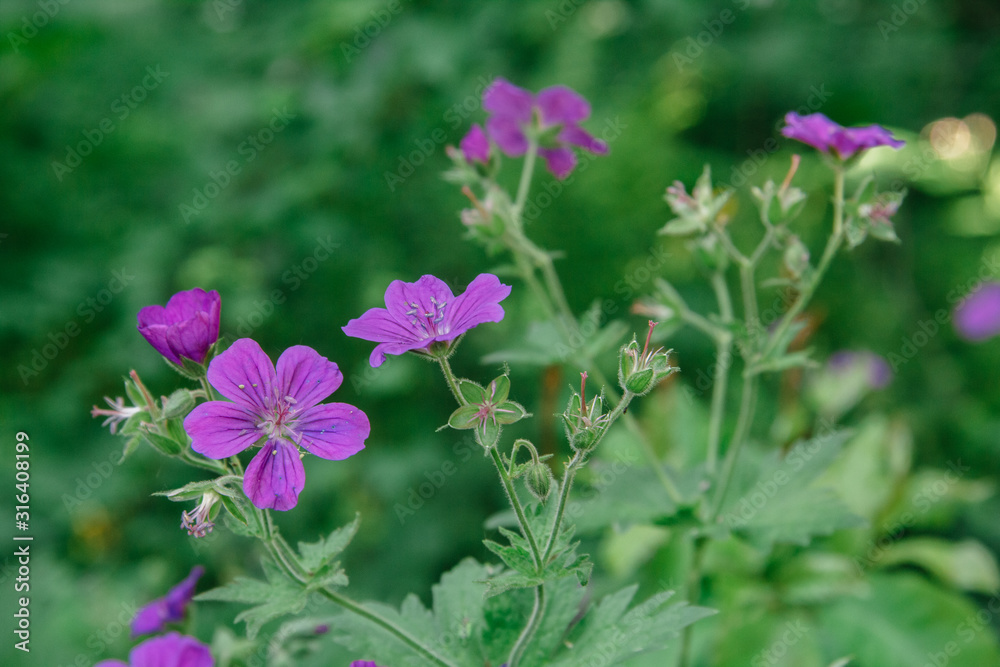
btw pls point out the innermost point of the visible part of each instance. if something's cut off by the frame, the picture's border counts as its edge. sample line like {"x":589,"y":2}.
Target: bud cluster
{"x":698,"y":211}
{"x":585,"y":421}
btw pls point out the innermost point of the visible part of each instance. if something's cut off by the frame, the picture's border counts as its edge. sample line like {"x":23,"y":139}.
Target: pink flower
{"x":281,"y":408}
{"x":171,"y":650}
{"x":825,"y":135}
{"x":168,"y":609}
{"x":187,"y":327}
{"x":426,"y":312}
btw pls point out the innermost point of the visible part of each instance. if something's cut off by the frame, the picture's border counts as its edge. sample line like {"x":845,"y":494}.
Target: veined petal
{"x":378,"y":326}
{"x":219,"y":429}
{"x":245,"y":375}
{"x":505,"y":99}
{"x":275,"y":476}
{"x":306,"y":376}
{"x":479,"y":303}
{"x":171,"y":650}
{"x":560,"y":161}
{"x":508,"y":134}
{"x":192,"y":338}
{"x":332,"y":431}
{"x":415,"y":302}
{"x":560,"y":104}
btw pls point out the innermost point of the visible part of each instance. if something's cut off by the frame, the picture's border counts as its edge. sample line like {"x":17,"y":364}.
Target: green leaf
{"x":319,"y":557}
{"x":683,"y":226}
{"x":906,"y":621}
{"x":965,"y":565}
{"x":514,"y":557}
{"x":772,"y":498}
{"x":508,"y":581}
{"x":272,"y":599}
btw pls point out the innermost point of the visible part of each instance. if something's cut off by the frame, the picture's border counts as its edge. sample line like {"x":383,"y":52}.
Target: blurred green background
{"x":150,"y":146}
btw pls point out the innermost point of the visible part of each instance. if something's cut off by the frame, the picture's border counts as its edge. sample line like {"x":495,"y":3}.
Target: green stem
{"x":723,"y":361}
{"x":515,"y":502}
{"x":525,"y":184}
{"x":832,"y":246}
{"x":400,"y":634}
{"x":693,"y":596}
{"x":452,"y":381}
{"x":564,"y":488}
{"x":537,"y":611}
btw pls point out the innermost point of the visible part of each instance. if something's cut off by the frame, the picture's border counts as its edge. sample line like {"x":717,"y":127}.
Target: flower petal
{"x":816,"y":129}
{"x":508,"y":134}
{"x":503,"y":98}
{"x":305,"y":376}
{"x":576,"y":135}
{"x":475,"y":145}
{"x":168,"y":609}
{"x":245,"y":375}
{"x":560,"y":161}
{"x":977,"y":317}
{"x":560,"y":104}
{"x":171,"y":650}
{"x":275,"y":476}
{"x":219,"y":429}
{"x":332,"y":431}
{"x":479,"y":303}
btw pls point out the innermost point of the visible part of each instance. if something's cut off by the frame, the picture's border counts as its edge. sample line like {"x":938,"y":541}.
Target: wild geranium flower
{"x":116,"y":415}
{"x":417,"y":315}
{"x":279,"y":407}
{"x":186,"y":328}
{"x":825,"y":135}
{"x":977,"y":317}
{"x":170,"y":650}
{"x":198,"y":523}
{"x":875,"y":368}
{"x":168,"y":609}
{"x":558,"y":110}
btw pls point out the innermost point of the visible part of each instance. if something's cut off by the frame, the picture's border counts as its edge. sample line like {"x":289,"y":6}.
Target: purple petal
{"x":560,"y":161}
{"x":479,"y":303}
{"x":332,"y":431}
{"x":275,"y":476}
{"x":219,"y":429}
{"x":168,"y":609}
{"x":977,"y":317}
{"x":508,"y":134}
{"x":574,"y":134}
{"x":560,"y":104}
{"x":475,"y":145}
{"x":816,"y":130}
{"x":503,"y":98}
{"x":377,"y":326}
{"x":245,"y":375}
{"x":171,"y":650}
{"x":872,"y":136}
{"x":187,"y":326}
{"x":305,"y":376}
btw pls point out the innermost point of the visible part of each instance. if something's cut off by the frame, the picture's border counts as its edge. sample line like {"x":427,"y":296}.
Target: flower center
{"x":428,"y":320}
{"x":281,"y":420}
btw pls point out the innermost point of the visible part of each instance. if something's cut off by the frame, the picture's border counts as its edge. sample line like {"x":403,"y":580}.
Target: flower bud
{"x":584,"y":421}
{"x":639,"y":372}
{"x":539,"y":480}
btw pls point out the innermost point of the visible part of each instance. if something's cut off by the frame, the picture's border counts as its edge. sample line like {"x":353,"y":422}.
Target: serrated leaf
{"x":272,"y":599}
{"x":318,"y":555}
{"x":773,"y":500}
{"x":508,"y":581}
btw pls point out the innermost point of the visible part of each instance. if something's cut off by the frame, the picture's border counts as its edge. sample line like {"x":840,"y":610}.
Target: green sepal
{"x":464,"y":417}
{"x":178,"y":404}
{"x":471,"y":391}
{"x":163,"y":444}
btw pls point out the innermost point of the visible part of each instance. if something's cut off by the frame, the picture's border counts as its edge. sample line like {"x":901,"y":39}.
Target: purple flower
{"x":419,"y":314}
{"x":280,"y":407}
{"x":977,"y":317}
{"x":877,"y":368}
{"x":363,"y":663}
{"x":170,"y":650}
{"x":168,"y":609}
{"x":825,"y":135}
{"x":187,"y":327}
{"x":514,"y":112}
{"x":475,"y":145}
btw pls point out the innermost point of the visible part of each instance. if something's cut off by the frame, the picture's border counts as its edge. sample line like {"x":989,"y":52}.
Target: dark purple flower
{"x":187,"y":327}
{"x":977,"y":317}
{"x":825,"y":135}
{"x":876,"y":367}
{"x":168,"y":609}
{"x":513,"y":111}
{"x":170,"y":650}
{"x":475,"y":145}
{"x":280,"y":407}
{"x":425,"y":312}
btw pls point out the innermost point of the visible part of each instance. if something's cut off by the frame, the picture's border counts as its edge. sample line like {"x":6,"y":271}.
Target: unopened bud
{"x":539,"y":480}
